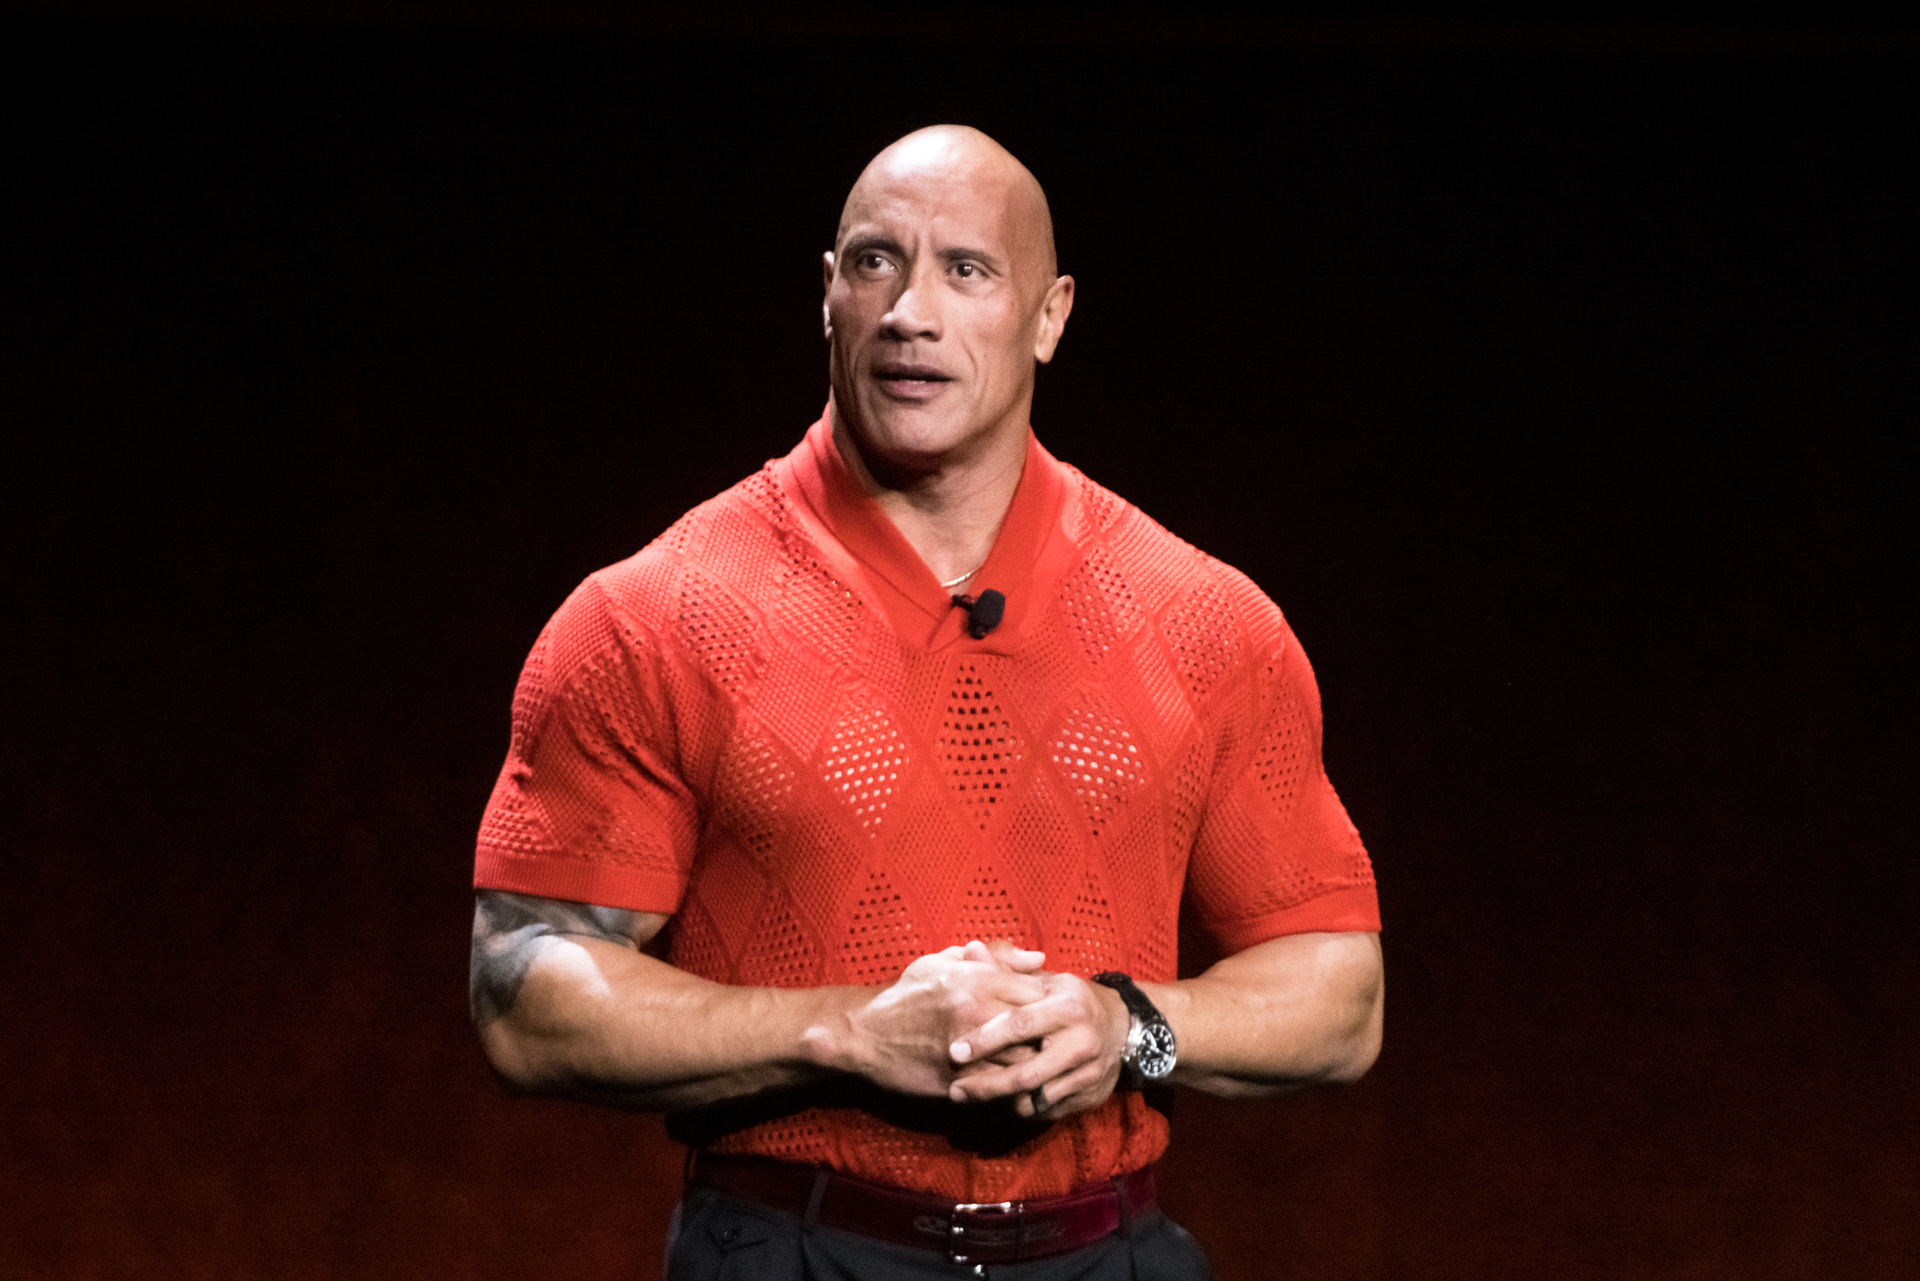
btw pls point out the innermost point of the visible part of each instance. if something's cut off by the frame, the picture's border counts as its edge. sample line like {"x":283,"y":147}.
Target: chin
{"x":913,"y":433}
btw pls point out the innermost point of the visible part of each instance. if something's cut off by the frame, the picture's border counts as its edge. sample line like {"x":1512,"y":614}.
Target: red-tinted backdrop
{"x":1552,"y":388}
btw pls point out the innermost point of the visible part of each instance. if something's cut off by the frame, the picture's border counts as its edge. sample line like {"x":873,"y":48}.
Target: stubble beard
{"x":903,"y":443}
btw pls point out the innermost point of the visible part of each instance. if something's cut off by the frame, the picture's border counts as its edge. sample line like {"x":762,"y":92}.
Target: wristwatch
{"x":1151,"y":1049}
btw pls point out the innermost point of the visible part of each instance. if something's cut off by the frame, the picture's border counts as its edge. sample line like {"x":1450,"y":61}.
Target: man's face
{"x":937,"y":306}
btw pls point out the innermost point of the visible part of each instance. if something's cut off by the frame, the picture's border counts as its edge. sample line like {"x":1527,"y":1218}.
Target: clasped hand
{"x":981,"y":1022}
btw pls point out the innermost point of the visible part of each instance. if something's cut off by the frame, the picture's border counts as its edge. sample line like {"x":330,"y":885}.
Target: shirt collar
{"x":1030,"y":555}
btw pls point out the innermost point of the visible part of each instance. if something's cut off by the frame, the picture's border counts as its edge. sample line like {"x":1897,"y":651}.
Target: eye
{"x":966,"y":270}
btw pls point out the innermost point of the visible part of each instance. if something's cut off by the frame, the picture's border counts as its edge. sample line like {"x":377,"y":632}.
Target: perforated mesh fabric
{"x":865,"y":762}
{"x":731,"y":726}
{"x":1204,"y":636}
{"x":881,"y":937}
{"x":1098,"y":604}
{"x":979,"y":750}
{"x":1097,"y":753}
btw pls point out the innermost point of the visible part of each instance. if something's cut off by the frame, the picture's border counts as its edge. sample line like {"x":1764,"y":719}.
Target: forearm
{"x":1293,"y":1011}
{"x":566,"y":1002}
{"x":601,"y":1021}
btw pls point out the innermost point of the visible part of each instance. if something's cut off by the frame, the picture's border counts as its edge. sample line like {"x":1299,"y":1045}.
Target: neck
{"x":948,"y":509}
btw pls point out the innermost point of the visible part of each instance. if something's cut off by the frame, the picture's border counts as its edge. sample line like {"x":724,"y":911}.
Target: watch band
{"x":1137,"y":1003}
{"x":1151,"y":1049}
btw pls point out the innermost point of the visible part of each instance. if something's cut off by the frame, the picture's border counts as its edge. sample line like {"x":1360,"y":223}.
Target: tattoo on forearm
{"x":511,"y":930}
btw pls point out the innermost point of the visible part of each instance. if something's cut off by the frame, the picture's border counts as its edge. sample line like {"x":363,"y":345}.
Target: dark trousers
{"x":717,"y":1237}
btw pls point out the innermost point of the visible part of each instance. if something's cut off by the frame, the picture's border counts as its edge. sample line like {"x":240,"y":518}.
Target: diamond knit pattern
{"x":881,"y":938}
{"x":1100,"y":760}
{"x":979,"y":750}
{"x":730,"y":727}
{"x":864,"y":763}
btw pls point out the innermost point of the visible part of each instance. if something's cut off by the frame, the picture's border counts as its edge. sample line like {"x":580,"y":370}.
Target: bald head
{"x":959,"y":159}
{"x":941,"y":297}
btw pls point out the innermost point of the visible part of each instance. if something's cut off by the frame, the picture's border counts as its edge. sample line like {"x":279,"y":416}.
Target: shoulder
{"x":1211,"y":614}
{"x":656,"y":594}
{"x":725,"y":542}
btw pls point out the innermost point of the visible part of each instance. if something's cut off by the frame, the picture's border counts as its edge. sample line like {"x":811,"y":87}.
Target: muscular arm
{"x":1293,"y":1011}
{"x":1303,"y":1009}
{"x":566,"y":1002}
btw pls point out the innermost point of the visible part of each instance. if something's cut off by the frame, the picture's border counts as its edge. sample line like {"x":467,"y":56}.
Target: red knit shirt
{"x":772,"y":724}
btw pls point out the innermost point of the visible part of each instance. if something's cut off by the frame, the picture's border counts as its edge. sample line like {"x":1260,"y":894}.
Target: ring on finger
{"x":1038,"y":1094}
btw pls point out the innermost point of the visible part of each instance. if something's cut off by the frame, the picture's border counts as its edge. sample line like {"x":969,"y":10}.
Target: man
{"x":917,"y":737}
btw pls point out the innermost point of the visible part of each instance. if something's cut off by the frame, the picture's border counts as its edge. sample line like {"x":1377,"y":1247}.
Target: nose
{"x":915,"y":312}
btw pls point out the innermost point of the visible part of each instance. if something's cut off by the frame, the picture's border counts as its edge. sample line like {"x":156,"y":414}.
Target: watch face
{"x":1155,"y":1053}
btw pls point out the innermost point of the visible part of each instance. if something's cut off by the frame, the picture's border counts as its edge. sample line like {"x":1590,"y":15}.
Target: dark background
{"x":1555,"y":380}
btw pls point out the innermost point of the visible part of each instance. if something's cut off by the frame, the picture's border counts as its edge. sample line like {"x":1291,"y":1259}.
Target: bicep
{"x":510,"y":931}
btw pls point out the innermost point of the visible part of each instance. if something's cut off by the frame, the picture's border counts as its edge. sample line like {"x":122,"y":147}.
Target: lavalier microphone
{"x":984,"y":612}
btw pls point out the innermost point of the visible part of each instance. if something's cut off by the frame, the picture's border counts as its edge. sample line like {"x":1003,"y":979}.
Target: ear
{"x":826,"y":315}
{"x":1054,"y":310}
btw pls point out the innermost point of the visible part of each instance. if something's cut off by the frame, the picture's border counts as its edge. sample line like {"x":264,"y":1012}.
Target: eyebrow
{"x":861,"y":244}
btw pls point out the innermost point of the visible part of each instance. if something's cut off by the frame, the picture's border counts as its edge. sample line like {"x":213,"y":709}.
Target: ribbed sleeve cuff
{"x":1336,"y":912}
{"x":602,"y":884}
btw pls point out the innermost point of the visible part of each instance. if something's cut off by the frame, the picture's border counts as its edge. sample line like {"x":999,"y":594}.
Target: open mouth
{"x":910,"y":379}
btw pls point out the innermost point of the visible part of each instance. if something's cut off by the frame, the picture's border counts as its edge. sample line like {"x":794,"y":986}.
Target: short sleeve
{"x":1276,"y":853}
{"x":590,"y":805}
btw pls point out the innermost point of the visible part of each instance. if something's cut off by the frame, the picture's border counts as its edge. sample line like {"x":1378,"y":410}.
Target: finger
{"x":1018,"y":959}
{"x":987,"y":1082}
{"x":970,"y":1051}
{"x":1001,"y":1032}
{"x":1085,"y":1087}
{"x":1002,"y":989}
{"x":1010,"y":1057}
{"x":1071,"y":1050}
{"x":920,"y":965}
{"x":988,"y":988}
{"x":1021,"y":1023}
{"x":1060,"y":1057}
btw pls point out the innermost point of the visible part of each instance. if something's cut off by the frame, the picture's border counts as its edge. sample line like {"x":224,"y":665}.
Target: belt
{"x":966,"y":1231}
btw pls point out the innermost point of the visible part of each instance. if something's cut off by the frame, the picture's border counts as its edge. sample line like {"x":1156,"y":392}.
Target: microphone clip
{"x":984,"y":612}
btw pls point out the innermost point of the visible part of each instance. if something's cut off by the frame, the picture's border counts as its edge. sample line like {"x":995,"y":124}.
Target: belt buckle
{"x":957,"y":1231}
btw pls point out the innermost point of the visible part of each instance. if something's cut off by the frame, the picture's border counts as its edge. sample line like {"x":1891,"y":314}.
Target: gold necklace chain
{"x":955,"y":582}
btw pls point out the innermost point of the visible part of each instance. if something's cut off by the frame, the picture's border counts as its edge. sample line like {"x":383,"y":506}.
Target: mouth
{"x":913,"y":382}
